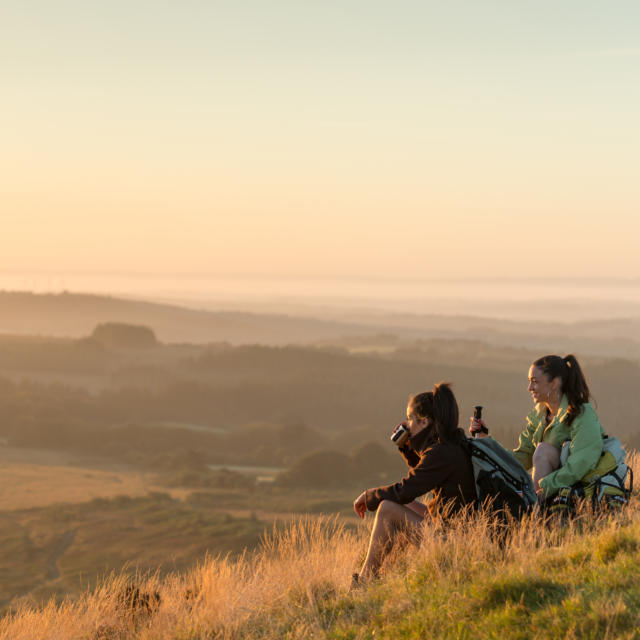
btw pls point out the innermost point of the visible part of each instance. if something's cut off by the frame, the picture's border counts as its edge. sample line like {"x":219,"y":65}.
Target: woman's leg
{"x":391,"y":517}
{"x":546,"y":458}
{"x":419,"y":508}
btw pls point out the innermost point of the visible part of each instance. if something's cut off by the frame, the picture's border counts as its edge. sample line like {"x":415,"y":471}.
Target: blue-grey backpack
{"x":502,"y":483}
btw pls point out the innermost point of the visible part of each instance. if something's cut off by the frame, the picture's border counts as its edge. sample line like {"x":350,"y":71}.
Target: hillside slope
{"x":580,"y":580}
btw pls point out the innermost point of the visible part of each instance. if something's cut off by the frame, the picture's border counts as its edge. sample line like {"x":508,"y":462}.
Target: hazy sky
{"x":412,"y":138}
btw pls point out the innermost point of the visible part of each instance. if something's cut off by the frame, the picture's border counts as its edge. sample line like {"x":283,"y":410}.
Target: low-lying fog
{"x":558,"y":300}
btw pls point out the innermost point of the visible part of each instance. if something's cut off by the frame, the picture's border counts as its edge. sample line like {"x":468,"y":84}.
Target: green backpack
{"x":608,"y":484}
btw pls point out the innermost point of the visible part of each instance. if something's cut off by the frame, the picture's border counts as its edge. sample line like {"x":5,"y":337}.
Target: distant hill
{"x":76,"y":315}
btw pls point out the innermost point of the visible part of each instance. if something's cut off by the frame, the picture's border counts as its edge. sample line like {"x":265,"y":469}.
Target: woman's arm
{"x":584,"y":452}
{"x":411,"y":458}
{"x":433,"y":469}
{"x":409,"y":455}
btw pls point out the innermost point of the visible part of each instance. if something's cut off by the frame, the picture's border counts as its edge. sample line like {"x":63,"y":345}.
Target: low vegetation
{"x":575,"y":579}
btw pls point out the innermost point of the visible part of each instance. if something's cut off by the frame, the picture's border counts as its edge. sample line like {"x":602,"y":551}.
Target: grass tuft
{"x":616,"y":541}
{"x":530,"y":592}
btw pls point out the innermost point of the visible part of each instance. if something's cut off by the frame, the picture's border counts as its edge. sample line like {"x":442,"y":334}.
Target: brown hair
{"x":441,"y":408}
{"x":573,"y":385}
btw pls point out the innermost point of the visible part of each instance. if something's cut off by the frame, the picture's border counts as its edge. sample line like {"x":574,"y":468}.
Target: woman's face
{"x":541,"y":387}
{"x":416,"y":424}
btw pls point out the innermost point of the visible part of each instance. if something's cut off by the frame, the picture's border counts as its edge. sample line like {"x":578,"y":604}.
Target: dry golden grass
{"x":456,"y":580}
{"x":221,"y":595}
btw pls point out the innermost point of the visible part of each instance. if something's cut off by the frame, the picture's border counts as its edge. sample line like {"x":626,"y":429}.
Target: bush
{"x":124,"y":336}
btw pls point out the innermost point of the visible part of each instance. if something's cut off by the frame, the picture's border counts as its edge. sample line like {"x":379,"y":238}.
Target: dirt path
{"x":64,"y":543}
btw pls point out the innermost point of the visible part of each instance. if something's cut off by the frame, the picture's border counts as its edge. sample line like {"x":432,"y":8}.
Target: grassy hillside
{"x":579,"y":580}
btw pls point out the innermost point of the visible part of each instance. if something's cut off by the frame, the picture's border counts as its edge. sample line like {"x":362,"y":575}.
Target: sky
{"x":320,"y":139}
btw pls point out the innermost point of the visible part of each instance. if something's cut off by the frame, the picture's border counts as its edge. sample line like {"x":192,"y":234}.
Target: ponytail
{"x":441,"y":408}
{"x":574,"y":384}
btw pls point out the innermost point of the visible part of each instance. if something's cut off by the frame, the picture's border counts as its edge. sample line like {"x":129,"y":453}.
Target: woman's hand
{"x":360,"y":504}
{"x":404,"y":424}
{"x":476,"y":427}
{"x":401,"y":439}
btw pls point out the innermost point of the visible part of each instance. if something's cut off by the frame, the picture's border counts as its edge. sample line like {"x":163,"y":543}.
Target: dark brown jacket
{"x":442,"y":467}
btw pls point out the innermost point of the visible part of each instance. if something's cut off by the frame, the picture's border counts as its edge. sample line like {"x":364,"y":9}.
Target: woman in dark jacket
{"x":438,"y":462}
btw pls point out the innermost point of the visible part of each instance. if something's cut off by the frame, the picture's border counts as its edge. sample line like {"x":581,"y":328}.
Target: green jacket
{"x":585,"y":434}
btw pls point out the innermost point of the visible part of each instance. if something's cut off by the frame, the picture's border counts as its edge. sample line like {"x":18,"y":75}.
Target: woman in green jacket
{"x":562,"y":413}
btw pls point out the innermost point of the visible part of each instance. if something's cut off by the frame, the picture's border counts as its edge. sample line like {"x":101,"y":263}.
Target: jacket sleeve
{"x":584,"y":452}
{"x":524,"y":451}
{"x":409,"y":455}
{"x":430,"y":473}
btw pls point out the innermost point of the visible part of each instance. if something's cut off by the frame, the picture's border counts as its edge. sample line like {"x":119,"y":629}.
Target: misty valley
{"x":122,"y":450}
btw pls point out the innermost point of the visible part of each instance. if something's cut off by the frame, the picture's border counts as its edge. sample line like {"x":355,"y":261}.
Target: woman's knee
{"x":547,"y":455}
{"x":387,"y":508}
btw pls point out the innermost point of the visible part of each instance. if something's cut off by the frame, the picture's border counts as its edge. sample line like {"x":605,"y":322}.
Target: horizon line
{"x":557,"y":281}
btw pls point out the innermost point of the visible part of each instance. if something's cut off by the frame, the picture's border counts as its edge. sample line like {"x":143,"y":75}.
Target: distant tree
{"x":370,"y":461}
{"x":126,"y":336}
{"x":321,"y":469}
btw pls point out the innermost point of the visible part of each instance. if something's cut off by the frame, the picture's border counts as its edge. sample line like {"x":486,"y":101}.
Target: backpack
{"x":608,"y":484}
{"x":502,"y":483}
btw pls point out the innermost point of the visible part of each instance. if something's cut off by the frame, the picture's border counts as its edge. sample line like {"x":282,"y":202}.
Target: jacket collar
{"x":541,"y":408}
{"x":426,"y":438}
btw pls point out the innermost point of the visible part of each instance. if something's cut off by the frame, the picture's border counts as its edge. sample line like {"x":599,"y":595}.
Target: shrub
{"x":124,"y":336}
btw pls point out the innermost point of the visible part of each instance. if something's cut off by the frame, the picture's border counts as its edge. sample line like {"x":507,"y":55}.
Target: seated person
{"x":562,"y":413}
{"x":439,"y":462}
